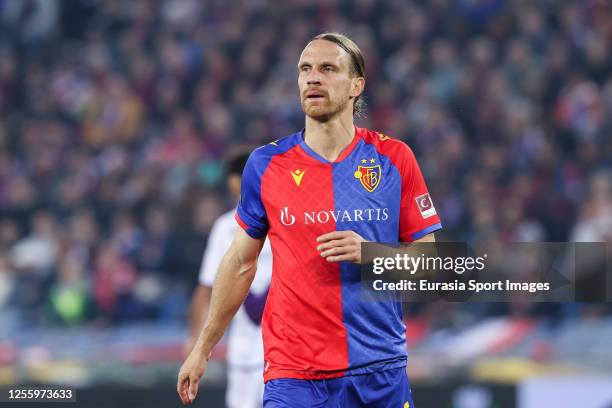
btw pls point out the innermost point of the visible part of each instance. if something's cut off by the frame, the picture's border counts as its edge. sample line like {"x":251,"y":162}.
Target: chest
{"x":362,"y":188}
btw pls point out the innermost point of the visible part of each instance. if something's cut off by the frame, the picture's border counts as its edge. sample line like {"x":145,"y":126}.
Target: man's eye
{"x":327,"y":68}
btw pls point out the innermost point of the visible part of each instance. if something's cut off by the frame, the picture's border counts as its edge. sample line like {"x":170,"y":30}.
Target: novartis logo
{"x":286,"y":218}
{"x":325,"y":216}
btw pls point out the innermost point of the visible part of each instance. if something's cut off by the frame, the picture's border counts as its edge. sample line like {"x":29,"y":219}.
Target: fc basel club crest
{"x":369,"y":176}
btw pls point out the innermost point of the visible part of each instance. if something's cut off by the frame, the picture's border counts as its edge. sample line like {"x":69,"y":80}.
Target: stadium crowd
{"x":115,"y":117}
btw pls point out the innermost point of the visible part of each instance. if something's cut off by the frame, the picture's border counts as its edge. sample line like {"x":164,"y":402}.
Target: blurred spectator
{"x":37,"y":253}
{"x":595,"y":218}
{"x":113,"y":281}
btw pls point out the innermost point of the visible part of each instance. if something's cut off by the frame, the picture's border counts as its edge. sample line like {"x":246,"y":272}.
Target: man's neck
{"x":328,"y":139}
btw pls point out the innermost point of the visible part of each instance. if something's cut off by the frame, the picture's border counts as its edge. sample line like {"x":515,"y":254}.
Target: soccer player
{"x":317,"y":194}
{"x":245,"y":359}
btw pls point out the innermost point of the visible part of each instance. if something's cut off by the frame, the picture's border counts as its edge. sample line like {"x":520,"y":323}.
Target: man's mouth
{"x":314,"y":96}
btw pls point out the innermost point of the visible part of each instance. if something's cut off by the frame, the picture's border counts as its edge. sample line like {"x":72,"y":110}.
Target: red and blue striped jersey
{"x":315,"y":323}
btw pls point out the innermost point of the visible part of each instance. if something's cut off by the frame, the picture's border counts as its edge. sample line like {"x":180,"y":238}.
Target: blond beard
{"x":330,"y":114}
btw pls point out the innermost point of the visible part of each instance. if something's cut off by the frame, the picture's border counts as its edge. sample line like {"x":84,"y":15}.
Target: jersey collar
{"x":343,"y":155}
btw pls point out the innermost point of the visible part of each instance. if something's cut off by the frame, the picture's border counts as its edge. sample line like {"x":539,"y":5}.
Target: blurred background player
{"x":245,"y":358}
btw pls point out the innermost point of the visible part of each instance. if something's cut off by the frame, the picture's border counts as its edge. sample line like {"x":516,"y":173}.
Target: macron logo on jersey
{"x":297,"y":176}
{"x":323,"y":217}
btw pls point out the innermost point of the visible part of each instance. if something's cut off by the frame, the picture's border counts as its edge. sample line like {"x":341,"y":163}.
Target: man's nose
{"x":314,"y":78}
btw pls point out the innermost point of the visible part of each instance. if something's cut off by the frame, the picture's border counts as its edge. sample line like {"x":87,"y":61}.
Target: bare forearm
{"x":230,"y":289}
{"x":405,"y":248}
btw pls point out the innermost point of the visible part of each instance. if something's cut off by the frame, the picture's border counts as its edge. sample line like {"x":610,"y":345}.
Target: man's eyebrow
{"x":328,"y":62}
{"x":324,"y":63}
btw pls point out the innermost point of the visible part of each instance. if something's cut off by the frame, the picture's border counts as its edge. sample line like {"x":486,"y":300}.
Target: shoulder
{"x":261,"y":156}
{"x":397,"y":150}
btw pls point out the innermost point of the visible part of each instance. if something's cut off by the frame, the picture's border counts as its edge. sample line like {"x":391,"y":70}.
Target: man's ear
{"x":357,"y":86}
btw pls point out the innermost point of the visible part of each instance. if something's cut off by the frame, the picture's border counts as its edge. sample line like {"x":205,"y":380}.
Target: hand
{"x":339,"y":246}
{"x":189,"y":376}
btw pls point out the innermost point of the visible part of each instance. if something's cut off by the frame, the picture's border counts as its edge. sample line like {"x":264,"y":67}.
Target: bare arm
{"x":427,"y":238}
{"x":231,"y":286}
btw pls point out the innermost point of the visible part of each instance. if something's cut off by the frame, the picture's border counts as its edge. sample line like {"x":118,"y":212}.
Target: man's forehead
{"x":323,"y":50}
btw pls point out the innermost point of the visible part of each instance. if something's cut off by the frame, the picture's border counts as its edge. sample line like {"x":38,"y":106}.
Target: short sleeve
{"x":418,"y":216}
{"x":251,"y":213}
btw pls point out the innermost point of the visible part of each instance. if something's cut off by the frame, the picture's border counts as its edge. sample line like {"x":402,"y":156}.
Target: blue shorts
{"x":382,"y":389}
